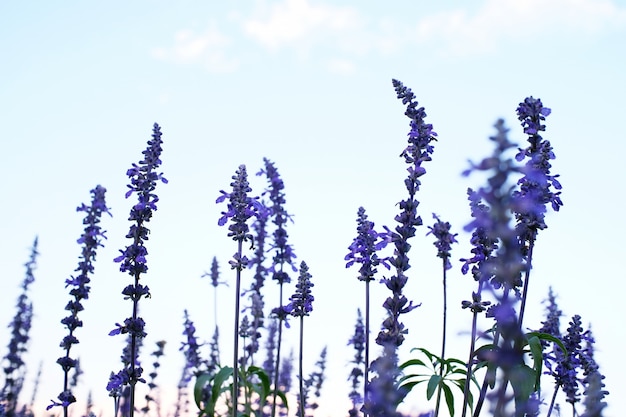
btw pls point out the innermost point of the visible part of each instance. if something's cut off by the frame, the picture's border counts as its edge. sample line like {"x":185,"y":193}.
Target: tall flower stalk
{"x":358,"y":342}
{"x":240,"y":208}
{"x":283,"y":254}
{"x":445,"y":239}
{"x":14,"y":368}
{"x":383,"y":394}
{"x":363,"y":250}
{"x":536,"y":186}
{"x":153,"y":395}
{"x":500,"y":272}
{"x":301,"y":304}
{"x":143,"y":180}
{"x":90,"y":239}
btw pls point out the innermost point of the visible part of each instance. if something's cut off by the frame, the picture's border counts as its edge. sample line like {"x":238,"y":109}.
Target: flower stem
{"x":443,"y":337}
{"x":236,"y":337}
{"x":531,"y":245}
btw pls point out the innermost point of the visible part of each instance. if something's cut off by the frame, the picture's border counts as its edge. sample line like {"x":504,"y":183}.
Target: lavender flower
{"x":302,"y":300}
{"x":193,"y":362}
{"x":143,"y":181}
{"x":152,"y":385}
{"x":91,"y":240}
{"x":363,"y":248}
{"x":383,"y":395}
{"x":256,"y":323}
{"x":284,"y":254}
{"x":483,"y":244}
{"x":535,"y":187}
{"x":241,"y":208}
{"x":499,"y":271}
{"x":416,"y":153}
{"x":301,"y":305}
{"x":363,"y":251}
{"x":445,"y":239}
{"x":358,"y":342}
{"x":20,"y":329}
{"x":566,"y":371}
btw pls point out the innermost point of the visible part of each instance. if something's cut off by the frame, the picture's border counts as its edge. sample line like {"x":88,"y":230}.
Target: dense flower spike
{"x":483,"y":244}
{"x":284,"y":254}
{"x":143,"y":181}
{"x":445,"y":239}
{"x":358,"y":342}
{"x":240,"y":206}
{"x":364,"y":247}
{"x":494,"y":220}
{"x":20,"y":335}
{"x":500,"y":271}
{"x":193,"y":363}
{"x":382,"y":394}
{"x":416,"y":153}
{"x":90,"y":239}
{"x":535,"y":187}
{"x":151,"y":396}
{"x":302,"y":300}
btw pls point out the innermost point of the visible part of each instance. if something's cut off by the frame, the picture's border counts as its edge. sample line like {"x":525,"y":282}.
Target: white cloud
{"x":463,"y":33}
{"x":208,"y":49}
{"x":298,"y":23}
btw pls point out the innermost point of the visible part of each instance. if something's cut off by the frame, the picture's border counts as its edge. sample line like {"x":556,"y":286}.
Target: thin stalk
{"x":277,"y":364}
{"x":301,"y":386}
{"x":556,"y":389}
{"x":468,"y":372}
{"x":443,"y":338}
{"x":531,"y":245}
{"x":133,"y":352}
{"x":236,"y":339}
{"x":367,"y":343}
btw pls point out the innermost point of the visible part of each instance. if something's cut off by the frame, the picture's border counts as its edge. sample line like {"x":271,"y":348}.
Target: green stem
{"x":367,"y":343}
{"x":235,"y":394}
{"x":443,"y":338}
{"x":277,"y":365}
{"x":301,"y":387}
{"x":531,"y":245}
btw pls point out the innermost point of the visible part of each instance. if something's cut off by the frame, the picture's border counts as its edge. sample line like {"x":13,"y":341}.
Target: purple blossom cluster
{"x":143,"y":180}
{"x":503,"y":375}
{"x":90,"y":240}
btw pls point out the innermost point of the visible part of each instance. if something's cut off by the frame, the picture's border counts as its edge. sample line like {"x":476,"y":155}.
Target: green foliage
{"x":438,"y":374}
{"x":209,"y":388}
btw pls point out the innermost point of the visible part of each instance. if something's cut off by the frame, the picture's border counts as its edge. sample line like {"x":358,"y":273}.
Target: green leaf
{"x":198,"y":388}
{"x":412,"y":362}
{"x":536,"y":350}
{"x":449,"y":398}
{"x":522,"y":379}
{"x":433,"y":382}
{"x":550,"y":338}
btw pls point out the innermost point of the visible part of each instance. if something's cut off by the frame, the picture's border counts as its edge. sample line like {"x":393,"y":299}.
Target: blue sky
{"x":307,"y":84}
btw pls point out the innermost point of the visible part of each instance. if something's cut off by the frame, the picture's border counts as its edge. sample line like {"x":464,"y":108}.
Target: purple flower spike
{"x":91,"y":240}
{"x":537,"y":185}
{"x":302,"y":300}
{"x":240,"y":206}
{"x":445,"y":239}
{"x":143,"y":180}
{"x":363,"y":248}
